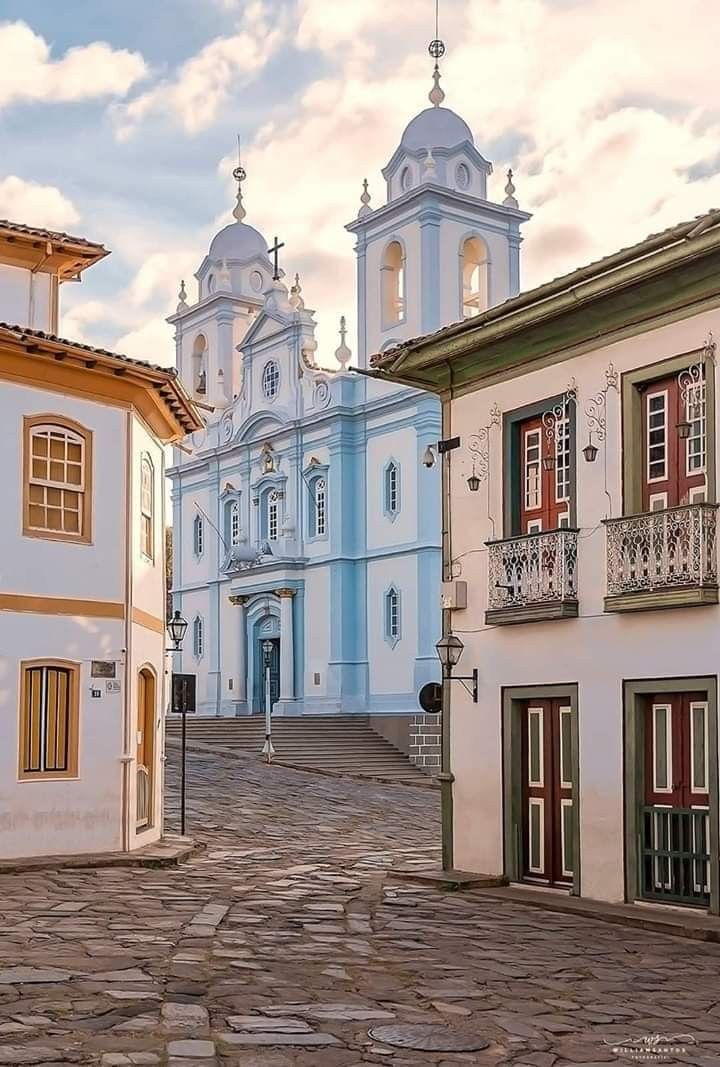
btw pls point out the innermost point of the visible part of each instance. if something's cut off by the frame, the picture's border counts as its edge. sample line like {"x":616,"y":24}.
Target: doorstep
{"x":168,"y":852}
{"x":434,"y":876}
{"x":663,"y":919}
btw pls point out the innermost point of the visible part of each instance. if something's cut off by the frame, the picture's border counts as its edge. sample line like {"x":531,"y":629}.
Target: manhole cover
{"x":427,"y":1037}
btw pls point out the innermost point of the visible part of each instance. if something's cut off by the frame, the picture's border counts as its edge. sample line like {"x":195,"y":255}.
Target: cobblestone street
{"x":283,"y":942}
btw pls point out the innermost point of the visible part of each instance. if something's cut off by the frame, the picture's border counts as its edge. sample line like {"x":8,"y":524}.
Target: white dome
{"x":237,"y":241}
{"x":436,"y":127}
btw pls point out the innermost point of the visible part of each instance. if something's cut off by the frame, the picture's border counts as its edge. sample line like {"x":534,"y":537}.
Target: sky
{"x":119,"y":122}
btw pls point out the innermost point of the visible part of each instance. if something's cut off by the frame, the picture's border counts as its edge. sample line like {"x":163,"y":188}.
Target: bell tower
{"x":437,"y":250}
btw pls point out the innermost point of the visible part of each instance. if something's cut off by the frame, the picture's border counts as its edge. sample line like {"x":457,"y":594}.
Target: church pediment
{"x":266,"y":325}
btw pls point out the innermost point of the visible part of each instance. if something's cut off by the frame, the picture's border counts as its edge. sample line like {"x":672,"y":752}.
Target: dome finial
{"x":365,"y":208}
{"x":437,"y":51}
{"x":510,"y":200}
{"x":296,"y":300}
{"x":239,"y":174}
{"x":342,"y":353}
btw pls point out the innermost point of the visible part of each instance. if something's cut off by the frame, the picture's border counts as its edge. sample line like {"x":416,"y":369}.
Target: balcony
{"x":533,"y":578}
{"x":662,"y":559}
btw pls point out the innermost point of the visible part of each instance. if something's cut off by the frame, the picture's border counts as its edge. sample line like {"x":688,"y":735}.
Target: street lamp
{"x":268,"y":750}
{"x":177,"y":628}
{"x":449,"y":649}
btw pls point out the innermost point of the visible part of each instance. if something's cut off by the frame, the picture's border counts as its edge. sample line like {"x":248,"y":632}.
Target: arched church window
{"x":393,"y":284}
{"x":392,"y":615}
{"x":392,"y":489}
{"x":200,"y":365}
{"x":232,"y":523}
{"x":211,"y":283}
{"x":320,"y":507}
{"x":273,"y":515}
{"x":406,"y":179}
{"x":198,"y":637}
{"x":271,"y":379}
{"x":198,"y":535}
{"x":474,"y":265}
{"x":256,"y":281}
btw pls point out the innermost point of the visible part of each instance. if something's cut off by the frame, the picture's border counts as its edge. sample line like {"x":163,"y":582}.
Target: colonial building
{"x":82,"y":580}
{"x":582,"y":514}
{"x":304,"y":514}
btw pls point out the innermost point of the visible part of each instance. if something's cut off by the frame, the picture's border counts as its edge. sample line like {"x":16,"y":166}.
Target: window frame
{"x":198,"y":637}
{"x":391,"y":607}
{"x":198,"y":536}
{"x":316,"y":533}
{"x":391,"y":510}
{"x":32,"y":423}
{"x":73,"y":722}
{"x":147,"y":518}
{"x":633,"y":385}
{"x":272,"y":515}
{"x":271,"y":370}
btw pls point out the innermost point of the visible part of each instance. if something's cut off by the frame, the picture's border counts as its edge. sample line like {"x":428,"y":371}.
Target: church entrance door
{"x":274,"y":673}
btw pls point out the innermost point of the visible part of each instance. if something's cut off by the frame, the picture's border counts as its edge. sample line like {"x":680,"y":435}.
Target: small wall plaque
{"x":112,"y":687}
{"x":102,"y":668}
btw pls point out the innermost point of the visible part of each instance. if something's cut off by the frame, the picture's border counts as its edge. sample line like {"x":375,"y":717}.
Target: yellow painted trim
{"x":150,"y":622}
{"x":58,"y":605}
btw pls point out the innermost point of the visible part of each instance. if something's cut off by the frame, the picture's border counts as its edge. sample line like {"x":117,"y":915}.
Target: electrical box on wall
{"x":453,"y":596}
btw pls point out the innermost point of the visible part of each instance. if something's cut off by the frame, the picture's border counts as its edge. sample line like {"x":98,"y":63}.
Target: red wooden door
{"x":673,"y":467}
{"x":548,"y":831}
{"x":676,"y":750}
{"x":544,"y":493}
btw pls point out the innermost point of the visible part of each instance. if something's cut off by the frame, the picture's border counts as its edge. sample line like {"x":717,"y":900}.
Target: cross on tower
{"x":273,"y":251}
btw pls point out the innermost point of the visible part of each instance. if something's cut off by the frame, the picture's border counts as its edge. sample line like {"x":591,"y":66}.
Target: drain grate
{"x":427,"y":1037}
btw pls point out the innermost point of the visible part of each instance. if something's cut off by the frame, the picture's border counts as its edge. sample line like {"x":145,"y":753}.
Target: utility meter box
{"x":453,"y":596}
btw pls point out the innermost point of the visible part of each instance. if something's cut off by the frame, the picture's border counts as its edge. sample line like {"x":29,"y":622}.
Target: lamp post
{"x":449,"y":649}
{"x":177,"y":628}
{"x":268,"y":750}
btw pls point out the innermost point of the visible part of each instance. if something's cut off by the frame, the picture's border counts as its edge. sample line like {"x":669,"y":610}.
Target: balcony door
{"x":673,"y":467}
{"x":544,"y":486}
{"x":548,"y":803}
{"x":675,"y":817}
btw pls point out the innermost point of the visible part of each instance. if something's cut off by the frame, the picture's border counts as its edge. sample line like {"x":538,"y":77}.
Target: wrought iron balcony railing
{"x":533,"y":577}
{"x":662,"y":558}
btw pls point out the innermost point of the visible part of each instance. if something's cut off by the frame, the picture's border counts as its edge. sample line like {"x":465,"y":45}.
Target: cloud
{"x":35,"y":204}
{"x":203,"y":83}
{"x":28,"y":72}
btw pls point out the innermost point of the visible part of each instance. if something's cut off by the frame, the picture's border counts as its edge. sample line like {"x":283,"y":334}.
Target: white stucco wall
{"x":35,"y":566}
{"x":25,"y":298}
{"x":69,"y":815}
{"x":597,"y":651}
{"x":400,"y":446}
{"x":392,"y":668}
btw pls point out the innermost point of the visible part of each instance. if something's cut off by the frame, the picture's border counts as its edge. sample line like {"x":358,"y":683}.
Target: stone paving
{"x":285,"y":941}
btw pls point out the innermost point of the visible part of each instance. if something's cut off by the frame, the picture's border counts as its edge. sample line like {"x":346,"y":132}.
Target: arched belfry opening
{"x":200,"y":365}
{"x":474,"y":266}
{"x":393,"y":284}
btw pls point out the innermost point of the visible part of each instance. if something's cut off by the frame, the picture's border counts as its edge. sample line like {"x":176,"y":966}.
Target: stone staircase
{"x":344,"y":744}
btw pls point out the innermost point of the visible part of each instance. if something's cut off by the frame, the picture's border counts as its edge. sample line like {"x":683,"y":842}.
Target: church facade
{"x":303,"y":513}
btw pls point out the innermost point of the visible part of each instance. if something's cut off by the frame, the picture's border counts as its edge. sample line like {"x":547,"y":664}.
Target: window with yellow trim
{"x":57,"y":489}
{"x":49,"y":696}
{"x":147,"y":507}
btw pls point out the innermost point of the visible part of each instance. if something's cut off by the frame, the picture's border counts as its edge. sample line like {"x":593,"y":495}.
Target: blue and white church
{"x":303,"y":514}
